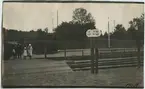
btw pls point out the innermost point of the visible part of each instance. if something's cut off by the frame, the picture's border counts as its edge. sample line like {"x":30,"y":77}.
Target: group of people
{"x":20,"y":51}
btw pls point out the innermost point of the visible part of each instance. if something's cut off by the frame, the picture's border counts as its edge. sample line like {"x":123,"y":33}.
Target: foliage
{"x":137,"y":28}
{"x":75,"y":29}
{"x":81,"y":16}
{"x":15,"y":35}
{"x":120,"y":32}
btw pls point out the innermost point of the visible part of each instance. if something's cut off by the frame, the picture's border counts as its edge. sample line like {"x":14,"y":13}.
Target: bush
{"x":8,"y":50}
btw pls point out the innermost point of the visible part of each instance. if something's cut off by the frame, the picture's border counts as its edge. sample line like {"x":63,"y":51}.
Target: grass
{"x":115,"y":77}
{"x":119,"y":77}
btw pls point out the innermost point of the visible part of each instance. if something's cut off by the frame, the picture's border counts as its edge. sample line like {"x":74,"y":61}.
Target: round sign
{"x":89,"y":33}
{"x":93,"y":33}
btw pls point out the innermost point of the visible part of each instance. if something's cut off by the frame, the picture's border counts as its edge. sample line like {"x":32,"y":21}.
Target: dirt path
{"x":12,"y":67}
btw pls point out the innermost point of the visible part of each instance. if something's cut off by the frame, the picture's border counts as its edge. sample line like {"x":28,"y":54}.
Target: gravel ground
{"x":107,"y":77}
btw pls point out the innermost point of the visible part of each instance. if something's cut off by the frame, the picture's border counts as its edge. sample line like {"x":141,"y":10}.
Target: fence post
{"x":92,"y":55}
{"x":111,"y":53}
{"x":138,"y":56}
{"x":120,"y":53}
{"x":65,"y":53}
{"x":96,"y":58}
{"x":82,"y":52}
{"x":124,"y":52}
{"x":134,"y":51}
{"x":45,"y":52}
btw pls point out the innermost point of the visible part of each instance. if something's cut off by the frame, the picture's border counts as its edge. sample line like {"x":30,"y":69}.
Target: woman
{"x":25,"y":53}
{"x":30,"y":49}
{"x":14,"y":53}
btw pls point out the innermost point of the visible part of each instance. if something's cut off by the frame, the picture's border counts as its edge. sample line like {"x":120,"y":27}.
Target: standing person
{"x":25,"y":52}
{"x":30,"y":49}
{"x":22,"y":49}
{"x":14,"y":53}
{"x":19,"y":50}
{"x":16,"y":49}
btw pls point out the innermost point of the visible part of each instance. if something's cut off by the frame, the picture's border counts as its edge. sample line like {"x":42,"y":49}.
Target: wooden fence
{"x":103,"y":52}
{"x":108,"y":58}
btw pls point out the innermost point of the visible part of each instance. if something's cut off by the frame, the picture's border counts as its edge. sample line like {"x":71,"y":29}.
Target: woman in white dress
{"x":25,"y":53}
{"x":30,"y":49}
{"x":14,"y":53}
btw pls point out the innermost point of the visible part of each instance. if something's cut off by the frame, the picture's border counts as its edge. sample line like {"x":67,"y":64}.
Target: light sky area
{"x":32,"y":16}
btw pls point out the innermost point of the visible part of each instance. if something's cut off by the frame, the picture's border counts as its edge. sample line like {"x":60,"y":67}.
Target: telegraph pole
{"x":108,"y":34}
{"x":52,"y":25}
{"x":114,"y":25}
{"x":57,"y":17}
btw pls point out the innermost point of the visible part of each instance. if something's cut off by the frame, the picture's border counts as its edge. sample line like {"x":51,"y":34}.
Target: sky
{"x":32,"y":16}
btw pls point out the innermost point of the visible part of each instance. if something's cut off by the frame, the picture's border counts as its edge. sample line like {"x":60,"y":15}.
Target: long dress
{"x":30,"y":50}
{"x":25,"y":52}
{"x":13,"y":53}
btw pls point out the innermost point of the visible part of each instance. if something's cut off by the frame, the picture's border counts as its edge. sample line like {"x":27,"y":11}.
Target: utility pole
{"x":57,"y":17}
{"x":108,"y":34}
{"x":114,"y":25}
{"x":52,"y":25}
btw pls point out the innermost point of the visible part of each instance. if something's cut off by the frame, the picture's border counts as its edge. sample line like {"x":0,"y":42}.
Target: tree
{"x":76,"y":29}
{"x":4,"y":31}
{"x":32,"y":31}
{"x":119,"y":33}
{"x":46,"y":30}
{"x":105,"y":35}
{"x":137,"y":24}
{"x":12,"y":35}
{"x":40,"y":34}
{"x":137,"y":31}
{"x":81,"y":16}
{"x":131,"y":32}
{"x":39,"y":30}
{"x":101,"y":35}
{"x":68,"y":31}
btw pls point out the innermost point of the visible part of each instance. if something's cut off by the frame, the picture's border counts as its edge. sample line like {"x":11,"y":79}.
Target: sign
{"x":93,"y":33}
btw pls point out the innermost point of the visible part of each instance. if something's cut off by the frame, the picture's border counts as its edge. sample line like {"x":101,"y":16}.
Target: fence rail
{"x":102,"y":51}
{"x":78,"y":65}
{"x":119,"y":57}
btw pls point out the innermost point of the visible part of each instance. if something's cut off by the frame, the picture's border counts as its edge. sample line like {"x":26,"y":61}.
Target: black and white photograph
{"x":72,"y":44}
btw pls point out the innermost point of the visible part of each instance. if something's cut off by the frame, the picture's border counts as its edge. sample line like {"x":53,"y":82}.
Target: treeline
{"x":75,"y":30}
{"x":71,"y":31}
{"x":15,"y":35}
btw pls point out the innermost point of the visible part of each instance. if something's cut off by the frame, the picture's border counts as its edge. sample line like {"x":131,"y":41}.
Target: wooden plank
{"x":79,"y":61}
{"x":106,"y":67}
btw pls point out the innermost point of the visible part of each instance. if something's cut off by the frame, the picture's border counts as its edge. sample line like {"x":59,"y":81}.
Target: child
{"x":25,"y":53}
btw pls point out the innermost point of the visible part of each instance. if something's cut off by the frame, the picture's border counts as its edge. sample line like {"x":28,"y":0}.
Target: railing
{"x":121,"y":52}
{"x":108,"y":58}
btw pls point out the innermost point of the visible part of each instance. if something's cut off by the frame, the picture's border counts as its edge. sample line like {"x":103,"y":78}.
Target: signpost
{"x":96,"y":57}
{"x":92,"y":34}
